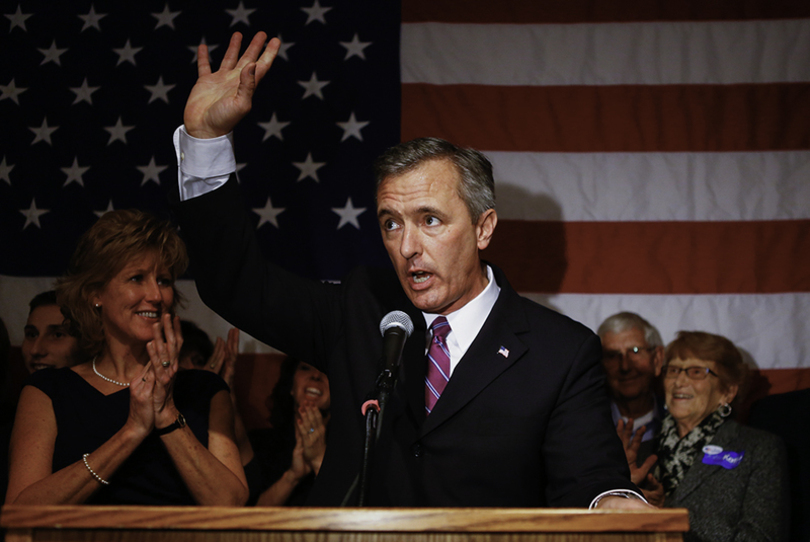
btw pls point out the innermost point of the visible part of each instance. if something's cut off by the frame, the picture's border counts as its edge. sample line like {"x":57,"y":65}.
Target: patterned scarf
{"x":676,"y":454}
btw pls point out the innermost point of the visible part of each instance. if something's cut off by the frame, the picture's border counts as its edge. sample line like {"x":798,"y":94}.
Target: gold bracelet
{"x":96,"y":476}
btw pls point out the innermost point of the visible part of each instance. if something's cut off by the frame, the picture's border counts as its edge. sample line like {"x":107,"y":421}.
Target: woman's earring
{"x":725,"y":410}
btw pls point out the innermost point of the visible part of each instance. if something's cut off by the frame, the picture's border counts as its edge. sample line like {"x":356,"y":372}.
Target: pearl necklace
{"x":124,"y":384}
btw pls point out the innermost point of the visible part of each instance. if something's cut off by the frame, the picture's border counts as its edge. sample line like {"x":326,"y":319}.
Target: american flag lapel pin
{"x":504,"y":351}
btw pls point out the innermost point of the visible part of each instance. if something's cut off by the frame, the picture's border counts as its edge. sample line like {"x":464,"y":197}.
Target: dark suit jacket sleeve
{"x":236,"y":281}
{"x":583,"y":453}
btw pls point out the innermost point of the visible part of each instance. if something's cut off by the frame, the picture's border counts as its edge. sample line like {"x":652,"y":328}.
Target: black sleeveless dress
{"x":86,"y":419}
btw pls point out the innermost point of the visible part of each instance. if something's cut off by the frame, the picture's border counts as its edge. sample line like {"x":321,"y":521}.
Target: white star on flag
{"x":160,"y":91}
{"x":43,"y":133}
{"x":32,"y":214}
{"x":309,"y":168}
{"x":313,"y":87}
{"x":18,"y":19}
{"x":268,"y":214}
{"x":273,"y":128}
{"x":151,"y":172}
{"x":240,"y":14}
{"x":118,"y":132}
{"x":352,"y":128}
{"x":282,"y":49}
{"x":84,"y":93}
{"x":165,"y":17}
{"x":11,"y":91}
{"x":348,"y":214}
{"x":315,"y":13}
{"x":74,"y":173}
{"x":5,"y":170}
{"x":127,"y":53}
{"x":355,"y":47}
{"x":52,"y":54}
{"x":91,"y":20}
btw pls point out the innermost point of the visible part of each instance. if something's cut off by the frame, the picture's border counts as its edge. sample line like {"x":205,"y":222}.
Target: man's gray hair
{"x":477,"y":187}
{"x":625,"y":321}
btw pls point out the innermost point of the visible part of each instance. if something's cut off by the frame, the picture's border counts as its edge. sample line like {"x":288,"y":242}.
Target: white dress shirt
{"x":466,"y":322}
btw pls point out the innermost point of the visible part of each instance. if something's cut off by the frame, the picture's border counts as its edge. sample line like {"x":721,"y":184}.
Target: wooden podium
{"x":214,"y":524}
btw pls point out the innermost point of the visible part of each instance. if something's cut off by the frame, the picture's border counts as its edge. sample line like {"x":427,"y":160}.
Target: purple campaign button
{"x":726,"y":459}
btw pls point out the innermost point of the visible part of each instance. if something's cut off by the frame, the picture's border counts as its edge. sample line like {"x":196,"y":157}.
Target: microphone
{"x":395,"y":327}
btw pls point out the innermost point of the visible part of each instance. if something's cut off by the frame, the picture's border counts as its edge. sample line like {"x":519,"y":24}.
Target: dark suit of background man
{"x":524,"y":420}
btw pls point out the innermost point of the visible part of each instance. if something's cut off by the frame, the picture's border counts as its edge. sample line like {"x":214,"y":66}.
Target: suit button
{"x":416,"y":449}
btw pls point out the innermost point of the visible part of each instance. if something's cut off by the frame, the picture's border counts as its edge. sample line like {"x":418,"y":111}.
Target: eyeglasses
{"x":634,"y":353}
{"x":694,"y":373}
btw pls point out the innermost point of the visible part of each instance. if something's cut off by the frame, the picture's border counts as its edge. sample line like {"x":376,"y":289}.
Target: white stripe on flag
{"x":771,"y":330}
{"x":656,"y":53}
{"x":653,"y":186}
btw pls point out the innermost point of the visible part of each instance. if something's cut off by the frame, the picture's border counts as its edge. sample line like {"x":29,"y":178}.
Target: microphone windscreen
{"x":396,"y":319}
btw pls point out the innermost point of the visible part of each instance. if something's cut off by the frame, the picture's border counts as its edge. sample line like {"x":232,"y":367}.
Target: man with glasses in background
{"x":632,"y":355}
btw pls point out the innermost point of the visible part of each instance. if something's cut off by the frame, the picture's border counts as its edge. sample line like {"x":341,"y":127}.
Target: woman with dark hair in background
{"x":126,"y":427}
{"x":288,"y":456}
{"x":47,"y":342}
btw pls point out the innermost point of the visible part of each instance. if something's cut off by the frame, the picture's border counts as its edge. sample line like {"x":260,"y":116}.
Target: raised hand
{"x":219,"y":100}
{"x":311,"y":427}
{"x":632,"y":442}
{"x":299,"y":466}
{"x":164,"y":350}
{"x":141,"y":411}
{"x":223,"y":359}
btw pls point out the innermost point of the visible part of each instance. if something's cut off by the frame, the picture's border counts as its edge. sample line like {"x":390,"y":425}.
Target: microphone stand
{"x":374,"y":410}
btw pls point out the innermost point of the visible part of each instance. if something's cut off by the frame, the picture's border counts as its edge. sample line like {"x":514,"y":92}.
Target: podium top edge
{"x":468,"y":520}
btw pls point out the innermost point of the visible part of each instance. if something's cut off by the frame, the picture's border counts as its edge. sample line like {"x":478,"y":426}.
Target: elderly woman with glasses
{"x":730,"y":477}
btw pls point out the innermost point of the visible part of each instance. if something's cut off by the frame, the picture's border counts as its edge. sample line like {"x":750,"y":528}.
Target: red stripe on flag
{"x":626,"y":118}
{"x":597,"y":11}
{"x":654,"y":257}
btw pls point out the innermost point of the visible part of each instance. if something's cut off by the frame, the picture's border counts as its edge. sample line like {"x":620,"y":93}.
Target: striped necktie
{"x":438,"y":372}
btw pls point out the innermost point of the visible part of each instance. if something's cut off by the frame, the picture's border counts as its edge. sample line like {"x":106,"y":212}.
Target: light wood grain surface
{"x":467,"y":520}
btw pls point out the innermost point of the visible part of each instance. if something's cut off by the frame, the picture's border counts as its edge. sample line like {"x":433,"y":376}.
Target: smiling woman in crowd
{"x":288,"y":456}
{"x":47,"y":341}
{"x":125,"y":427}
{"x":732,"y":478}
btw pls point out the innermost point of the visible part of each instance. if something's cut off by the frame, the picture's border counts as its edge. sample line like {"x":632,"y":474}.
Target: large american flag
{"x":652,"y":157}
{"x":92,"y":91}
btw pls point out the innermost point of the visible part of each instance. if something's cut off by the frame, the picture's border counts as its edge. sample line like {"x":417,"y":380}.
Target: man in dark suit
{"x":523,"y":419}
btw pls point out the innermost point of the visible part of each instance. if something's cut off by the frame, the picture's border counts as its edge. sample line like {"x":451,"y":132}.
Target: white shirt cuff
{"x":624,"y":493}
{"x":203,"y":165}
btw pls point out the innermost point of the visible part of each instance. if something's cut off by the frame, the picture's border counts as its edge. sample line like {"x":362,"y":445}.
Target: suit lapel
{"x":415,"y":367}
{"x":485,"y":360}
{"x":700,"y":473}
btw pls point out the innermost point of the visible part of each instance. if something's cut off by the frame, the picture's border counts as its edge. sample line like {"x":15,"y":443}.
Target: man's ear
{"x":486,"y":227}
{"x":658,"y":359}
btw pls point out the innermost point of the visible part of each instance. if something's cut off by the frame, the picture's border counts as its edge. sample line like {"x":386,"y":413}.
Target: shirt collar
{"x":466,"y":322}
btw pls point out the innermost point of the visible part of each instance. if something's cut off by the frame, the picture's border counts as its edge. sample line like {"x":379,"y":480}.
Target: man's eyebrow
{"x":428,"y":210}
{"x":30,"y":327}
